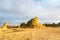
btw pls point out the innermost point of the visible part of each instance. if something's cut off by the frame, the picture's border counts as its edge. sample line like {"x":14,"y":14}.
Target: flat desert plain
{"x":31,"y":34}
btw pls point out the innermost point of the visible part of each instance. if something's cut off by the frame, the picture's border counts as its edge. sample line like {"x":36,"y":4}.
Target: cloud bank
{"x":16,"y":11}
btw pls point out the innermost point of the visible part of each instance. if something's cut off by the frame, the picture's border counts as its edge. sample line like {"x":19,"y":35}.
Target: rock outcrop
{"x":34,"y":23}
{"x":5,"y":26}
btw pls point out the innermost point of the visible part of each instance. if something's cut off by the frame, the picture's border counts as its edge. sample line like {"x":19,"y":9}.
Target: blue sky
{"x":17,"y":11}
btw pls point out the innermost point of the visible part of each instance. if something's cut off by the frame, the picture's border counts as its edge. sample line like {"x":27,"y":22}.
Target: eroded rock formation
{"x":34,"y":23}
{"x":5,"y":26}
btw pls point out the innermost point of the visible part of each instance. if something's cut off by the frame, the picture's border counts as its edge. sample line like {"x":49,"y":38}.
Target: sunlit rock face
{"x":33,"y":22}
{"x":5,"y":26}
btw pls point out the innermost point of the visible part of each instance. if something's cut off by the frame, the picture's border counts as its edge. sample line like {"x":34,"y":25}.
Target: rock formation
{"x":5,"y":26}
{"x":34,"y":23}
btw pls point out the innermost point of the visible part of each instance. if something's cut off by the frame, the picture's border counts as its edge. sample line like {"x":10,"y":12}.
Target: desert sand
{"x":30,"y":34}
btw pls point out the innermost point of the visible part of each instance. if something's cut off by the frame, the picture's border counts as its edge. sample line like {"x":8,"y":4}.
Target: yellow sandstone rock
{"x":35,"y":23}
{"x":5,"y":26}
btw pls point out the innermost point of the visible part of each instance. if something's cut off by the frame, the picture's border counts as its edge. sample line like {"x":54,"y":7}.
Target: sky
{"x":17,"y":11}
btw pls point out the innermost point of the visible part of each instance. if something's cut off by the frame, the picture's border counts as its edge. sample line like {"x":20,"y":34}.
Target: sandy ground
{"x":31,"y":34}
